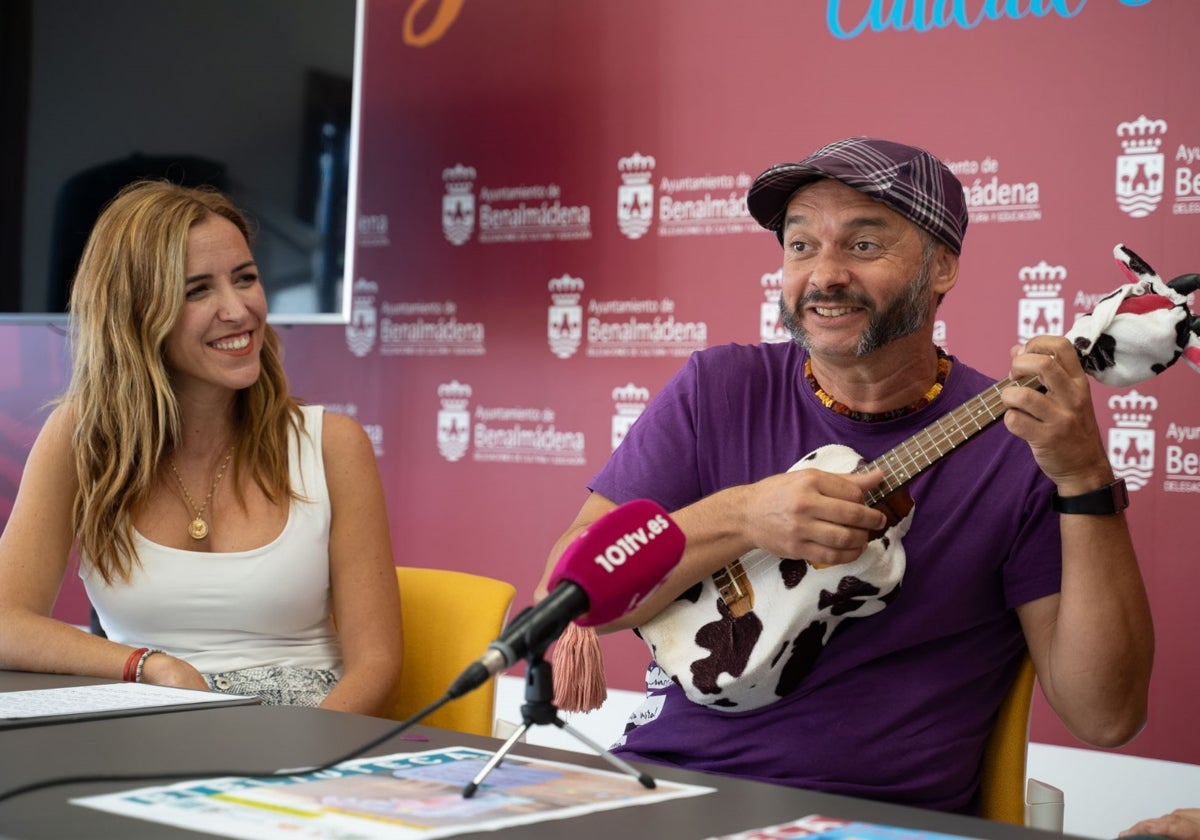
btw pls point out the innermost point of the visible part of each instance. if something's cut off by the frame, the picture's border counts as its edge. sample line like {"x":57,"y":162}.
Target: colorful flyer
{"x":408,"y":795}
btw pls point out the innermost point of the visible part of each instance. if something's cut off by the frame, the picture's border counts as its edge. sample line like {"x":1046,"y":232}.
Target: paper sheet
{"x":90,"y":699}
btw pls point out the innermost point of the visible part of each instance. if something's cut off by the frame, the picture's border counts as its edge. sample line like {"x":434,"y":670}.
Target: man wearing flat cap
{"x":875,"y":533}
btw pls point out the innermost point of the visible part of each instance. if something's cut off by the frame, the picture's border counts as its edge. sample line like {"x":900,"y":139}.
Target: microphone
{"x":606,"y":572}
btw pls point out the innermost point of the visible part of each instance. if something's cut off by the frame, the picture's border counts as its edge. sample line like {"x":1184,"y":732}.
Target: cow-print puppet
{"x":1140,"y":329}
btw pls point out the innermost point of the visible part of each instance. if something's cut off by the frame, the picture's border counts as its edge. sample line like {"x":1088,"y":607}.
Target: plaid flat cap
{"x":909,"y":180}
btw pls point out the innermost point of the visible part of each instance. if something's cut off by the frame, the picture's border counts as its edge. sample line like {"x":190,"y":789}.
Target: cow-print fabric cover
{"x":738,"y":664}
{"x":1140,"y":329}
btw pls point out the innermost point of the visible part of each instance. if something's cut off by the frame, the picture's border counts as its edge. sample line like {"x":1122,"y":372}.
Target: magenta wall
{"x":515,"y":307}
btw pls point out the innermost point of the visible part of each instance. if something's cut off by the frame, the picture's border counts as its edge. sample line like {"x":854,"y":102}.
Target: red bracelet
{"x":129,"y":674}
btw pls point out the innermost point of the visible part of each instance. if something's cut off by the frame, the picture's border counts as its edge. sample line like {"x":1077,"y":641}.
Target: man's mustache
{"x":833,"y":299}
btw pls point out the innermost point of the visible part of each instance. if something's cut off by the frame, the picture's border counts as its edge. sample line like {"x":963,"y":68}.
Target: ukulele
{"x":723,"y":654}
{"x":899,"y":465}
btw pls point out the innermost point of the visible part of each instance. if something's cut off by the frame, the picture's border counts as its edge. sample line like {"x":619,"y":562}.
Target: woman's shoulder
{"x":348,"y":455}
{"x":340,"y":433}
{"x":60,"y":425}
{"x":53,"y":453}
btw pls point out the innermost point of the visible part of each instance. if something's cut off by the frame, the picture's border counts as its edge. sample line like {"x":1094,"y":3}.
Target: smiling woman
{"x":224,"y":311}
{"x":236,"y":591}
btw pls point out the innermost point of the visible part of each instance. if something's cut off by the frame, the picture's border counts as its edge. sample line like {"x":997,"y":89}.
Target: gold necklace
{"x":198,"y":528}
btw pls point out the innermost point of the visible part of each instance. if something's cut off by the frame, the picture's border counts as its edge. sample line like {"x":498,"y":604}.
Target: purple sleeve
{"x":1034,"y":567}
{"x":657,"y":460}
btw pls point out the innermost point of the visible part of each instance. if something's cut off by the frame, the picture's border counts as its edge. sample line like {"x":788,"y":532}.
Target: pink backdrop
{"x":551,"y":217}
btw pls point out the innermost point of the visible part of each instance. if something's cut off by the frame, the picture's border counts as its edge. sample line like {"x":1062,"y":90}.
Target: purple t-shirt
{"x":898,"y":705}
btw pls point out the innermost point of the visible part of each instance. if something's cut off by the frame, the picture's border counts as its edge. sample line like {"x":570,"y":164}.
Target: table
{"x":219,"y":741}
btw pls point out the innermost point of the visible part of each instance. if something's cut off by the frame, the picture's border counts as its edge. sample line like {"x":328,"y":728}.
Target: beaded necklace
{"x":829,"y":402}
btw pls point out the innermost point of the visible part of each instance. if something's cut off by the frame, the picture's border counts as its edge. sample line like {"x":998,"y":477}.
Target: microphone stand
{"x":539,"y":709}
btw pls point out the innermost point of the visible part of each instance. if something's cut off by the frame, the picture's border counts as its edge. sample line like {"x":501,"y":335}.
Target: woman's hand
{"x":164,"y":669}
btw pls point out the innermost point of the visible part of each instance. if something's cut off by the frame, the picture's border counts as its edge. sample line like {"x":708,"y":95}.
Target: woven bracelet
{"x":137,"y":674}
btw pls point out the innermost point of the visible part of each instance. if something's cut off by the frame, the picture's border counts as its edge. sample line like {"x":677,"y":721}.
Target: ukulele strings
{"x":905,"y":461}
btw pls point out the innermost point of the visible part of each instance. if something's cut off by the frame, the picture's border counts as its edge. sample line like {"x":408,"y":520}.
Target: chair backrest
{"x":1002,"y":789}
{"x":449,"y":619}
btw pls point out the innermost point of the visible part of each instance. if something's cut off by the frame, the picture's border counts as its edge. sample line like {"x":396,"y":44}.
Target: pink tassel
{"x":578,"y":665}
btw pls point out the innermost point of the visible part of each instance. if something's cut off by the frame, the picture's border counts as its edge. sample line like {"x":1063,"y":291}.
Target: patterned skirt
{"x":276,"y":685}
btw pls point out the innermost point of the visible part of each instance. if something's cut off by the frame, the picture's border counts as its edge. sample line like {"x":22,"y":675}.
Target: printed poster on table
{"x":413,"y":795}
{"x":817,"y":827}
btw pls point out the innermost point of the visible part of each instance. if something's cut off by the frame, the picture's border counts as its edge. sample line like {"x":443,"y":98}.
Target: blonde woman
{"x":220,"y":524}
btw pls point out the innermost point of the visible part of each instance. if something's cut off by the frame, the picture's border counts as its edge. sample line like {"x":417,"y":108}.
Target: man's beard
{"x":900,"y":317}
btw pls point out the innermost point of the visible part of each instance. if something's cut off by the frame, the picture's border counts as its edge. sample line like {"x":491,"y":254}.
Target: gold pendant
{"x":198,"y":529}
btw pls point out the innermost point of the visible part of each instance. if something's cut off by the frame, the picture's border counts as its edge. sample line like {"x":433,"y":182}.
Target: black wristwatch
{"x":1112,"y":498}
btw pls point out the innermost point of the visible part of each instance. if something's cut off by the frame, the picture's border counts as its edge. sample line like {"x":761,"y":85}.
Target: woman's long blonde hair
{"x":127,"y":296}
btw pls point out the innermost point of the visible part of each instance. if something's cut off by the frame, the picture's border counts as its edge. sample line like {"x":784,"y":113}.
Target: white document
{"x":90,"y":699}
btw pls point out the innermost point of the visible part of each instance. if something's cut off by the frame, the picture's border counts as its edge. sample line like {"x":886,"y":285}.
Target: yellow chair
{"x":449,"y":619}
{"x":1006,"y":795}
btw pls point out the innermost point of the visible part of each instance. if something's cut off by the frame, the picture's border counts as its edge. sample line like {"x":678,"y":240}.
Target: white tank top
{"x":269,"y":606}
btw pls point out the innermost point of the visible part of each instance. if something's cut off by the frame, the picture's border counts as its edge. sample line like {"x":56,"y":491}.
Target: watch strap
{"x":1109,"y":499}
